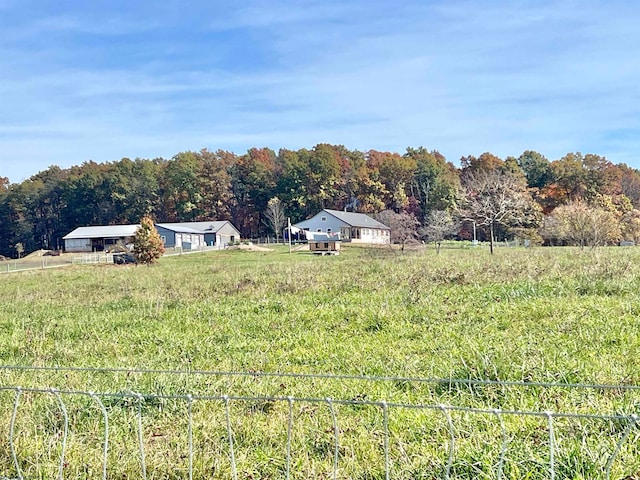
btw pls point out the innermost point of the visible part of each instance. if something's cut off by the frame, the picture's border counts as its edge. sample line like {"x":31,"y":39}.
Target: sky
{"x":102,"y":80}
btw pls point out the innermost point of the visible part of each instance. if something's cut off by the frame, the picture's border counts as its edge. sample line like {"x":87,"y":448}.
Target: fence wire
{"x":71,"y":433}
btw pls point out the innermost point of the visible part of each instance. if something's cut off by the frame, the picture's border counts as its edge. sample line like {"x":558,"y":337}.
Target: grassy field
{"x":535,"y":315}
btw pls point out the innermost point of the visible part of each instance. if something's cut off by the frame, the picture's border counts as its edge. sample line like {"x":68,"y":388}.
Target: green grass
{"x":539,"y":315}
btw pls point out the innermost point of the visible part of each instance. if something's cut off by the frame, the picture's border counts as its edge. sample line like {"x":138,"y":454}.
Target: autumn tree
{"x":630,"y":184}
{"x":536,"y":169}
{"x":497,"y":198}
{"x":364,"y":190}
{"x":582,"y":177}
{"x":215,"y":184}
{"x":181,"y":188}
{"x":253,"y":181}
{"x":147,"y":244}
{"x":630,"y":226}
{"x":134,"y":188}
{"x":323,"y":176}
{"x":291,"y":183}
{"x":579,"y":223}
{"x":435,"y":183}
{"x":487,"y":162}
{"x":395,"y":173}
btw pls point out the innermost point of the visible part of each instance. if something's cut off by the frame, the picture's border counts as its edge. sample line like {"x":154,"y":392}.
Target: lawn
{"x":551,"y":315}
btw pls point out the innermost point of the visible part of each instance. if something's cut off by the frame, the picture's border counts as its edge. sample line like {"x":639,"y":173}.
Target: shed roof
{"x":118,"y":231}
{"x":322,"y":237}
{"x":103,"y":231}
{"x":179,"y":228}
{"x":200,"y":227}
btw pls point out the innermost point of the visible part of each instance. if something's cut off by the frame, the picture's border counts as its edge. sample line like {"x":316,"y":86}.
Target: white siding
{"x":316,"y":224}
{"x":371,"y":235}
{"x":77,"y":245}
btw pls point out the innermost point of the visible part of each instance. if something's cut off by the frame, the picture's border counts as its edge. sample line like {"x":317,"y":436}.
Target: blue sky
{"x":101,"y":80}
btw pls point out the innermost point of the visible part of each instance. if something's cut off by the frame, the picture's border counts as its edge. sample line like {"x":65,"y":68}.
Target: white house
{"x":350,"y":226}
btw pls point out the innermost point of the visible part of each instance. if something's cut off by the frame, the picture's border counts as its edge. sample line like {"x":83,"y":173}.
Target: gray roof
{"x":357,"y":219}
{"x":322,"y":237}
{"x":200,"y":227}
{"x":105,"y":231}
{"x":121,"y":231}
{"x":179,"y":227}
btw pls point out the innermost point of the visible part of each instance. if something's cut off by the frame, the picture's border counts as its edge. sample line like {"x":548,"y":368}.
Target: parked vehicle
{"x":124,"y":258}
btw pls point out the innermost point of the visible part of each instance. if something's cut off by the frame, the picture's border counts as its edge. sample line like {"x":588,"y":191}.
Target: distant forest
{"x":206,"y":185}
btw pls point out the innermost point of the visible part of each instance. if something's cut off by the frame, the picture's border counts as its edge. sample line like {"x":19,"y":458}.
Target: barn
{"x":185,"y":235}
{"x":216,"y":233}
{"x":99,"y":238}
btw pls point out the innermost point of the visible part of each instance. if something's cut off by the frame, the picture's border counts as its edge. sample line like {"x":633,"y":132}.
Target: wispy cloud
{"x":99,"y":82}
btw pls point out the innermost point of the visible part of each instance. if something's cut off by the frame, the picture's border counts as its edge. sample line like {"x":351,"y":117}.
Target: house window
{"x":319,"y":230}
{"x":323,"y":219}
{"x":163,"y":238}
{"x":326,"y":245}
{"x":328,"y":230}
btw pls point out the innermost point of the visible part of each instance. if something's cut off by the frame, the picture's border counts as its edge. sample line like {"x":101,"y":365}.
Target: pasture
{"x":387,"y":325}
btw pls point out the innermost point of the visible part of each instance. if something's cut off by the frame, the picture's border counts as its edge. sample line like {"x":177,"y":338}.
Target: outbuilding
{"x":216,"y":233}
{"x":99,"y":238}
{"x":177,"y":235}
{"x":323,"y":244}
{"x":186,"y":235}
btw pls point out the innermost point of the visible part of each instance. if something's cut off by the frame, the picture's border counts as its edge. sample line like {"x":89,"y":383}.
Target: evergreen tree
{"x":147,"y":244}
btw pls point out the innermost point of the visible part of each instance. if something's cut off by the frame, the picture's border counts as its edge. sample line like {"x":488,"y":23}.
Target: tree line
{"x":499,"y":197}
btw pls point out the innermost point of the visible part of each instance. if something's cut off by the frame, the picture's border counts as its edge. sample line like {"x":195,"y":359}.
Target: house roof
{"x":356,"y":219}
{"x":103,"y":231}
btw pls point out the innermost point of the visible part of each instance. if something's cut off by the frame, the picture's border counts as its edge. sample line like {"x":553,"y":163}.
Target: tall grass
{"x":540,"y":315}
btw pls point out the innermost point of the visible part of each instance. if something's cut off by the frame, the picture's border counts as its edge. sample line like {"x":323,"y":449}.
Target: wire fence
{"x":214,"y":432}
{"x":88,"y":258}
{"x":34,"y":263}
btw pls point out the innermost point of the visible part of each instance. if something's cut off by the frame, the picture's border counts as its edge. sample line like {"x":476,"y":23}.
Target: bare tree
{"x":495,"y":197}
{"x":404,"y":226}
{"x":579,"y":223}
{"x":440,"y":225}
{"x":275,"y":216}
